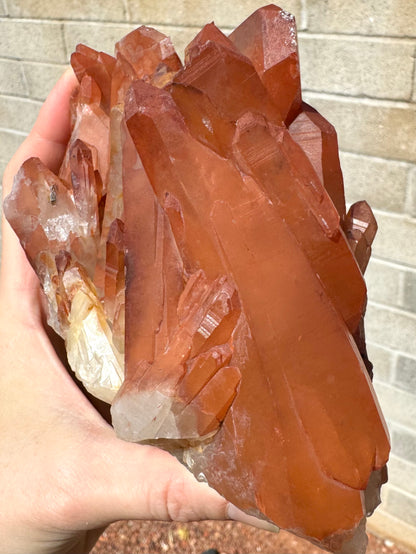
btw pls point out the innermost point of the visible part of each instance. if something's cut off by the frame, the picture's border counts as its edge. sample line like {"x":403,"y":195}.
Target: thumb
{"x":47,"y":141}
{"x":145,"y":482}
{"x":134,"y":481}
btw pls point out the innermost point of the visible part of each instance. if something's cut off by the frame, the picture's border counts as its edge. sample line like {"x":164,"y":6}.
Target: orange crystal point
{"x":269,"y":39}
{"x":98,"y":65}
{"x":209,"y":33}
{"x":91,"y":125}
{"x":114,"y":269}
{"x":313,"y":409}
{"x":154,"y":278}
{"x":216,"y":68}
{"x":144,"y":54}
{"x":88,"y":93}
{"x":318,"y":139}
{"x":84,"y":185}
{"x":112,"y":208}
{"x":153,"y":113}
{"x":148,"y":52}
{"x":197,"y":230}
{"x":270,"y":155}
{"x":361,"y":228}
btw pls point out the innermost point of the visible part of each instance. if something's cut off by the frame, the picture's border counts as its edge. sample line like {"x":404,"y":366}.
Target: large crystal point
{"x":268,"y":38}
{"x":199,"y":262}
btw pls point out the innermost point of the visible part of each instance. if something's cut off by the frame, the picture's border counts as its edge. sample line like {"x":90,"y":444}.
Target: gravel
{"x":227,"y":537}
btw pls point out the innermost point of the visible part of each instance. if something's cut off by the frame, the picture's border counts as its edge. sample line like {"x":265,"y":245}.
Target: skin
{"x":64,"y":475}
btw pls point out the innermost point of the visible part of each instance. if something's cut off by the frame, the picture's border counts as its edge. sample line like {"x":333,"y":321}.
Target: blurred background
{"x":358,"y":69}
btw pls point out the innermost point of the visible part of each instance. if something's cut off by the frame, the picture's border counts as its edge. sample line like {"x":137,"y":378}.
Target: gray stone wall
{"x":358,"y":69}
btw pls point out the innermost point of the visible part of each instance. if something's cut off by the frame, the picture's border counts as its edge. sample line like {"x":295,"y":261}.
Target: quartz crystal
{"x":198,"y":260}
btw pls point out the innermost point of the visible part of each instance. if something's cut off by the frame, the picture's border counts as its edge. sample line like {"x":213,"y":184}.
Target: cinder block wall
{"x":358,"y":69}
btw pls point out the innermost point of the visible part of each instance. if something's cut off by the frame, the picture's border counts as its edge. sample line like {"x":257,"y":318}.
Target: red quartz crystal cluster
{"x":201,"y":267}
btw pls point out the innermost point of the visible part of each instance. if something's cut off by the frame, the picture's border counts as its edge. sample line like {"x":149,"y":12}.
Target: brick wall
{"x":358,"y":69}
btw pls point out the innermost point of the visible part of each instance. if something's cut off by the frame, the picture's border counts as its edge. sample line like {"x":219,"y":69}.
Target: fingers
{"x":47,"y":141}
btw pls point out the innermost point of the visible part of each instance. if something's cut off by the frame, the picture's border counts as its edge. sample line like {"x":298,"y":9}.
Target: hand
{"x":64,"y":475}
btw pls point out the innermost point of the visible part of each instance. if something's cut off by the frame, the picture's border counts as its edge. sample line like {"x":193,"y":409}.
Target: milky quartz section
{"x":199,"y":262}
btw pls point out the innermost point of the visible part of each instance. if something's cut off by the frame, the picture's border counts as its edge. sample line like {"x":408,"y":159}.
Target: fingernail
{"x":238,"y":515}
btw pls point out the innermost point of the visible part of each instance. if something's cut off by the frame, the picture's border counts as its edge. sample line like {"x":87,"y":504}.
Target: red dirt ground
{"x":150,"y":537}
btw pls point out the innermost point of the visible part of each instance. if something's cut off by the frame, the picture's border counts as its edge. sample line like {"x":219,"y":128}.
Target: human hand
{"x":64,"y":475}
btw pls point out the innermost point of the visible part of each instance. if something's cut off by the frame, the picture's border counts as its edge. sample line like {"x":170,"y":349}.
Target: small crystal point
{"x":361,"y":228}
{"x":318,"y":139}
{"x":98,"y":65}
{"x":114,"y":269}
{"x":209,"y":33}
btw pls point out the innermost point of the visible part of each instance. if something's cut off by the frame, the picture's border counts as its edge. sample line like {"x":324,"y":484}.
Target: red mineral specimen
{"x":198,"y":229}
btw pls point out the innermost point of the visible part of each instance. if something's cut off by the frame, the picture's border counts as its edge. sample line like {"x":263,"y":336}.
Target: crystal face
{"x":199,"y":262}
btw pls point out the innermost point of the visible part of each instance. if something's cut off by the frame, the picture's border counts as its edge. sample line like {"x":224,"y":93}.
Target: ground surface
{"x":149,"y":537}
